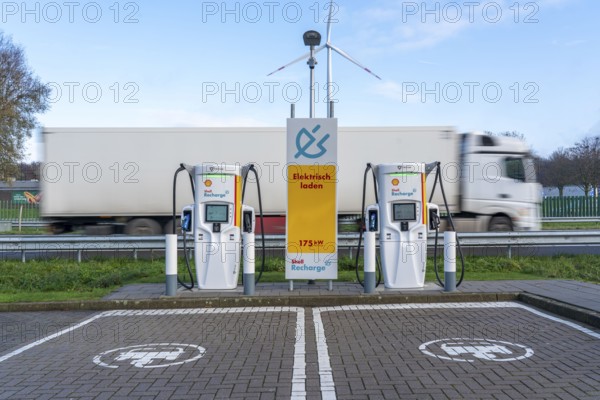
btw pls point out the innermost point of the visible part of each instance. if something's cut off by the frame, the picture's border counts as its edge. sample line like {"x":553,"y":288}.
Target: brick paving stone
{"x":562,"y":360}
{"x":566,"y":396}
{"x":580,"y":294}
{"x":20,"y":328}
{"x":373,"y":354}
{"x":239,"y":350}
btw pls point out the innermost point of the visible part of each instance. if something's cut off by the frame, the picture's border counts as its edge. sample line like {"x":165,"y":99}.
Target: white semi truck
{"x":120,"y":179}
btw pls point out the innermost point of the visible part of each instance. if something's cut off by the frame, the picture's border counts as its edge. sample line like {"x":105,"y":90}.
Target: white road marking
{"x":325,"y":371}
{"x":470,"y":349}
{"x":299,"y":366}
{"x":144,"y":355}
{"x":49,"y":337}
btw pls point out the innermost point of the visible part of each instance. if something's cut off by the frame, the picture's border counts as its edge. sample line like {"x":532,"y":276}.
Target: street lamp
{"x":312,"y":39}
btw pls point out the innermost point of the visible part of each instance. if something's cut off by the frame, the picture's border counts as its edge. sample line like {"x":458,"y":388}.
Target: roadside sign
{"x":311,"y":232}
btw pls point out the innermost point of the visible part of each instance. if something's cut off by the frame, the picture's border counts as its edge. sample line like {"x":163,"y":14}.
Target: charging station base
{"x":199,"y":292}
{"x":430,"y":286}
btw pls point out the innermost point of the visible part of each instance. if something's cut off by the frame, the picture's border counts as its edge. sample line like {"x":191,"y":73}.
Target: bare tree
{"x":29,"y":171}
{"x":558,"y":170}
{"x":586,"y":158}
{"x":22,"y":96}
{"x":513,"y":134}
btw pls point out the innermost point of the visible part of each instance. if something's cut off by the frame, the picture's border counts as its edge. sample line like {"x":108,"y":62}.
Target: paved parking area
{"x":20,"y":328}
{"x":454,"y":351}
{"x":163,"y":354}
{"x":409,"y":351}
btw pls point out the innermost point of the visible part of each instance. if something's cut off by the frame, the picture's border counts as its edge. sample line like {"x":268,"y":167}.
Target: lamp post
{"x":312,"y":39}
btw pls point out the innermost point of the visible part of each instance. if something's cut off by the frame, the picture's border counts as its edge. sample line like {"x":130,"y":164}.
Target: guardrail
{"x":571,"y":219}
{"x":41,"y":222}
{"x":29,"y":224}
{"x":40,"y":245}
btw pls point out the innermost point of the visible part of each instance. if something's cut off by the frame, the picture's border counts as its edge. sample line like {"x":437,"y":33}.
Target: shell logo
{"x":395,"y":182}
{"x":208,"y":183}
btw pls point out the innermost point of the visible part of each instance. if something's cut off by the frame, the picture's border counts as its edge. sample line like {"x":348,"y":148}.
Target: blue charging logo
{"x":308,"y":143}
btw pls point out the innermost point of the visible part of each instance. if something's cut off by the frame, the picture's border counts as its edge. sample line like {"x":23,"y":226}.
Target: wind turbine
{"x":330,"y":47}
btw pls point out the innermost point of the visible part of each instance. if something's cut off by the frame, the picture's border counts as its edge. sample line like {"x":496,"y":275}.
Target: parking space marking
{"x":470,"y":349}
{"x":324,"y":362}
{"x":144,"y":355}
{"x":299,"y":365}
{"x":49,"y":337}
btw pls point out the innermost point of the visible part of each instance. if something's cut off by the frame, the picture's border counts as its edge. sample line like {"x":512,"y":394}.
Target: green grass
{"x":350,"y":276}
{"x":26,"y":296}
{"x":26,"y":231}
{"x":12,"y":213}
{"x":52,"y":280}
{"x":563,"y":226}
{"x":59,"y":280}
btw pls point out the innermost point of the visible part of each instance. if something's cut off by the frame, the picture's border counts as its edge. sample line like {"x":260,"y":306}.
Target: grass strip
{"x":56,"y":280}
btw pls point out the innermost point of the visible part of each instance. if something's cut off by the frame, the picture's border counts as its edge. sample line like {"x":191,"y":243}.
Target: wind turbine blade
{"x":347,"y":57}
{"x":329,"y":21}
{"x":303,"y":57}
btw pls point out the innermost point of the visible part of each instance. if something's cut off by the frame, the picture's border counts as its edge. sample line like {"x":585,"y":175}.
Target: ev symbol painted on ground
{"x":303,"y":148}
{"x":470,"y":350}
{"x":156,"y":355}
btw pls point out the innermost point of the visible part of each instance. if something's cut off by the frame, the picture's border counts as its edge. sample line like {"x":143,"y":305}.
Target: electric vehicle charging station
{"x":401,"y":219}
{"x":218,"y":220}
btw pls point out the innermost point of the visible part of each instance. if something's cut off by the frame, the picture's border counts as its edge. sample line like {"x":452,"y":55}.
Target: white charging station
{"x":400,"y":218}
{"x":216,"y":220}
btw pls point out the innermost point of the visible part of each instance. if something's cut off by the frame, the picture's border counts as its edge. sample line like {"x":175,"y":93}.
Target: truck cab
{"x":498,"y":183}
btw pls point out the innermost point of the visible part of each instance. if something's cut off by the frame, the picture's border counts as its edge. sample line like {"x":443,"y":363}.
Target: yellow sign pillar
{"x":311,"y":240}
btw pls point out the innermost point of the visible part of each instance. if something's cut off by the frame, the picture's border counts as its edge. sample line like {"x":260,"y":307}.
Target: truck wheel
{"x":98,"y":230}
{"x":501,"y":224}
{"x":143,"y":227}
{"x":169,"y":227}
{"x":59,"y":228}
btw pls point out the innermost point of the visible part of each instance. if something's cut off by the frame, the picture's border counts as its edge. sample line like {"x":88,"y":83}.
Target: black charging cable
{"x":174,"y":221}
{"x":260,"y":208}
{"x":362,"y":228}
{"x":438,"y":177}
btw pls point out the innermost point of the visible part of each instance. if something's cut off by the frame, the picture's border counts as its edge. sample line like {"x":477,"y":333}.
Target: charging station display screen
{"x":217,"y":213}
{"x":405,"y":212}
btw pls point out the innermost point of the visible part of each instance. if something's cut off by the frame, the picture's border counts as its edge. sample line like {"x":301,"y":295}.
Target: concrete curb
{"x":563,"y":309}
{"x":256,"y":301}
{"x":579,"y":314}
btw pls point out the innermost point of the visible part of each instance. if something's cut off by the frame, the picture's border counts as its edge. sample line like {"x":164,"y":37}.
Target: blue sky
{"x":527,"y":66}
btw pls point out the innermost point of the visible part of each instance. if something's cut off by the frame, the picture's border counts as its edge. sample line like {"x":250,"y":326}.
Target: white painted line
{"x":299,"y":367}
{"x":325,"y":371}
{"x":570,"y":324}
{"x":299,"y":372}
{"x":470,"y":349}
{"x":144,"y":355}
{"x":49,"y":337}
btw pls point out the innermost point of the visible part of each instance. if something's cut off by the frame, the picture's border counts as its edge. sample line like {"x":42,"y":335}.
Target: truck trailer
{"x":120,"y":180}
